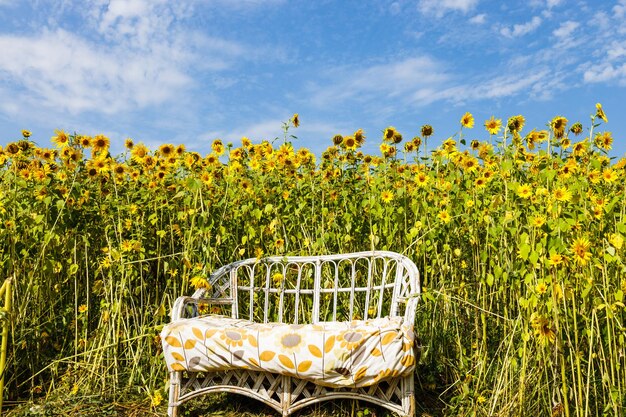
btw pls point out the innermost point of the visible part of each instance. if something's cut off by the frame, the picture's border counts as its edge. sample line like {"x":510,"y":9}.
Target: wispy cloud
{"x":479,"y":19}
{"x":566,"y":29}
{"x":388,"y":80}
{"x":521,"y":29}
{"x":441,"y":7}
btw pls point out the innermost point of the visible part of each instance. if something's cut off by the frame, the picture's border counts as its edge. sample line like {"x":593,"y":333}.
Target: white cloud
{"x":64,"y":72}
{"x":553,"y":3}
{"x":440,"y":7}
{"x":397,"y":79}
{"x":605,"y":73}
{"x":521,"y":29}
{"x":566,"y":29}
{"x":619,"y":10}
{"x":479,"y":19}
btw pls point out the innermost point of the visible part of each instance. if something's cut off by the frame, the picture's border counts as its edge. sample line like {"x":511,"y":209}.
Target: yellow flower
{"x":166,"y":150}
{"x":138,"y":153}
{"x":562,"y":194}
{"x":467,"y":120}
{"x":100,"y":143}
{"x":421,"y":179}
{"x":26,"y":133}
{"x":389,"y":133}
{"x":609,"y":175}
{"x":157,"y":398}
{"x":128,"y":143}
{"x":493,"y":125}
{"x":427,"y":130}
{"x":516,"y":123}
{"x":580,"y":248}
{"x":61,"y":139}
{"x":524,"y":191}
{"x":386,"y":196}
{"x":349,"y":142}
{"x":617,"y":240}
{"x":295,"y":120}
{"x":544,"y":331}
{"x":538,"y":221}
{"x":200,"y":282}
{"x":558,"y":125}
{"x":278,"y":278}
{"x":218,"y":147}
{"x":604,"y":140}
{"x":556,"y":259}
{"x":600,"y":113}
{"x":82,"y":308}
{"x":444,"y":216}
{"x":541,"y":287}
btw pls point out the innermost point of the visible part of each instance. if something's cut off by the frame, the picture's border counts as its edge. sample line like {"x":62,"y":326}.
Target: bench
{"x":292,"y":331}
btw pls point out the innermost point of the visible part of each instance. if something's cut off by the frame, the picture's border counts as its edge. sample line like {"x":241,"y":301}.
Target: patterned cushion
{"x":355,"y":354}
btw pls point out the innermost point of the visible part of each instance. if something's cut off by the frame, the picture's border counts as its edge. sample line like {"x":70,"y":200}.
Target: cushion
{"x":358,"y":353}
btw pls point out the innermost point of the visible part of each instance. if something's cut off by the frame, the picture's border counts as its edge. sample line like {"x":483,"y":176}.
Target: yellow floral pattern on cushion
{"x":336,"y":354}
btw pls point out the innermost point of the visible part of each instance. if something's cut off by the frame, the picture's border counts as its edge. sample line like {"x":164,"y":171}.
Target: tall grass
{"x":519,"y":239}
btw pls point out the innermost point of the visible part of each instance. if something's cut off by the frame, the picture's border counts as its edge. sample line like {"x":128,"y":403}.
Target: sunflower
{"x":218,"y":147}
{"x":386,"y":196}
{"x":295,"y":120}
{"x":409,"y":147}
{"x":580,"y":249}
{"x":558,"y":125}
{"x":388,"y":133}
{"x":359,"y":137}
{"x":139,"y":153}
{"x":337,"y":140}
{"x":100,"y":143}
{"x":467,"y":120}
{"x":604,"y":140}
{"x":524,"y":191}
{"x":427,"y":130}
{"x":61,"y":139}
{"x":562,"y":194}
{"x":200,"y":282}
{"x":26,"y":133}
{"x":349,"y":142}
{"x":128,"y":143}
{"x":544,"y":331}
{"x":541,"y":287}
{"x":516,"y":123}
{"x":397,"y":138}
{"x":600,"y":113}
{"x":444,"y":216}
{"x":493,"y":125}
{"x":480,"y":182}
{"x":180,"y":150}
{"x":576,"y":128}
{"x":556,"y":259}
{"x":609,"y":175}
{"x":616,"y":240}
{"x":538,"y":221}
{"x":166,"y":150}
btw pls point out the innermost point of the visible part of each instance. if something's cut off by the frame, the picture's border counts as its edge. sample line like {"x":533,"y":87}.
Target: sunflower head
{"x":600,"y":113}
{"x":577,"y":128}
{"x":467,"y":120}
{"x":427,"y":131}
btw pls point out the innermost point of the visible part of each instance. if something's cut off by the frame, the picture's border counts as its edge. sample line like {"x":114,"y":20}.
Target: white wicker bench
{"x":296,"y":330}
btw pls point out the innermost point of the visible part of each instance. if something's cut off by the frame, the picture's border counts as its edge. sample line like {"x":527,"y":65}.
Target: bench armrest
{"x":190,"y":305}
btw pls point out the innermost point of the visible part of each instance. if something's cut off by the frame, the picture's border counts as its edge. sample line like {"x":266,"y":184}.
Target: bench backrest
{"x":310,"y":289}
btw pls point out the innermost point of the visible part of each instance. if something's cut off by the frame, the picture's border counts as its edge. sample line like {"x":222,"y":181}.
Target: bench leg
{"x":172,"y":408}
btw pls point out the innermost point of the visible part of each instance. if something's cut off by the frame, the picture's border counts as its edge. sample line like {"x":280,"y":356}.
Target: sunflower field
{"x":519,"y":238}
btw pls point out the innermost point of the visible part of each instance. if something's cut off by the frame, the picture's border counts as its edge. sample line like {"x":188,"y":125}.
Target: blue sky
{"x":191,"y":71}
